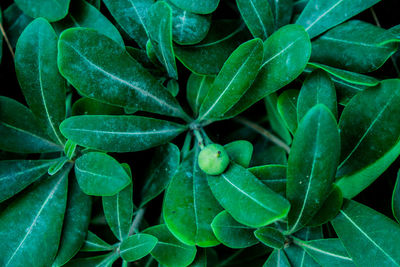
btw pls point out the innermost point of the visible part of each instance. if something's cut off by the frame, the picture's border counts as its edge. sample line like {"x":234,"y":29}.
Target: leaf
{"x":240,"y":152}
{"x":203,"y":7}
{"x":317,"y":89}
{"x":289,"y":44}
{"x":173,"y":87}
{"x":75,"y":226}
{"x":88,"y":106}
{"x":1,"y":37}
{"x":114,"y":77}
{"x":282,"y":11}
{"x":98,"y":261}
{"x":187,"y":27}
{"x":169,"y":251}
{"x":82,"y":14}
{"x":287,"y":108}
{"x":34,"y":218}
{"x":231,"y":233}
{"x":189,"y":206}
{"x":52,"y":10}
{"x":163,"y":166}
{"x":233,"y":81}
{"x":159,"y":27}
{"x":321,"y":15}
{"x":242,"y":194}
{"x":359,"y":234}
{"x":395,"y":199}
{"x":270,"y":237}
{"x":119,"y":133}
{"x":20,"y":131}
{"x":196,"y":90}
{"x":99,"y":174}
{"x":137,"y":246}
{"x":258,"y":17}
{"x":130,"y":15}
{"x":368,"y":136}
{"x":15,"y":175}
{"x":208,"y":56}
{"x":38,"y":76}
{"x":312,"y":164}
{"x":70,"y":149}
{"x":275,"y":119}
{"x":57,"y":165}
{"x":15,"y":21}
{"x":277,"y":259}
{"x":95,"y":243}
{"x":118,"y":210}
{"x":273,"y":176}
{"x":327,"y":252}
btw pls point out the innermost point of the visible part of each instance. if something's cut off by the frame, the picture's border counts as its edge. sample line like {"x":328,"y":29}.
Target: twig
{"x":136,"y":222}
{"x":263,"y":132}
{"x":3,"y":32}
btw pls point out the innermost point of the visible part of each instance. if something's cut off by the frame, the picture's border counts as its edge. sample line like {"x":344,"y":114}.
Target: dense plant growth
{"x":198,"y":133}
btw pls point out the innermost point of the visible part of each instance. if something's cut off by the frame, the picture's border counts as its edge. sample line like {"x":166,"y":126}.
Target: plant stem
{"x":136,"y":222}
{"x":199,"y":138}
{"x":3,"y":32}
{"x":263,"y":132}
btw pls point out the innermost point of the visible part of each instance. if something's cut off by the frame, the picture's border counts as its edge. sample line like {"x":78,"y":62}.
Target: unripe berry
{"x":213,"y":159}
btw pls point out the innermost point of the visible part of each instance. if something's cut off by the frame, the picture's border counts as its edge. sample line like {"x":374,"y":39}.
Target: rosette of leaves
{"x":286,"y":93}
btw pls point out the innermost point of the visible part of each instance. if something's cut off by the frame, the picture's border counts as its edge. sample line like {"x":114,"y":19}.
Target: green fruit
{"x":213,"y":159}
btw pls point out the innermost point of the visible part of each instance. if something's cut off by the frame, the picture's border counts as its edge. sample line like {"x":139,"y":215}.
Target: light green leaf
{"x":247,"y":199}
{"x":137,"y":246}
{"x":95,"y":243}
{"x":196,"y":90}
{"x":69,"y":149}
{"x":312,"y":164}
{"x":275,"y":119}
{"x":287,"y":108}
{"x":34,"y":218}
{"x":203,"y":7}
{"x":231,"y":233}
{"x":396,"y":199}
{"x":282,"y":11}
{"x":52,"y":10}
{"x":277,"y":259}
{"x":235,"y":78}
{"x":368,"y":136}
{"x":15,"y":21}
{"x":273,"y":176}
{"x":359,"y":234}
{"x":321,"y":15}
{"x":37,"y":73}
{"x":169,"y":251}
{"x":114,"y":77}
{"x":270,"y":237}
{"x":99,"y":174}
{"x":240,"y":152}
{"x":119,"y":133}
{"x":98,"y":261}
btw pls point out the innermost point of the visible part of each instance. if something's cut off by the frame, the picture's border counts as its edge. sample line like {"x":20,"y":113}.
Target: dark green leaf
{"x":98,"y":261}
{"x":240,"y":152}
{"x":277,"y":259}
{"x":15,"y":21}
{"x":95,"y":243}
{"x":137,"y":246}
{"x":196,"y":90}
{"x":282,"y":11}
{"x":275,"y":119}
{"x":287,"y":108}
{"x":173,"y":87}
{"x":274,"y":176}
{"x":203,"y":7}
{"x":52,"y":10}
{"x":270,"y":237}
{"x":88,"y":106}
{"x":396,"y":199}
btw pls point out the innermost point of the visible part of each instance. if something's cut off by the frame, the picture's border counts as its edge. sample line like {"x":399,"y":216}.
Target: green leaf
{"x":287,"y":108}
{"x":52,"y":10}
{"x":275,"y":119}
{"x":173,"y":87}
{"x":203,"y":7}
{"x":247,"y":199}
{"x":130,"y":15}
{"x":317,"y":89}
{"x":118,"y":210}
{"x":368,"y":136}
{"x":277,"y":259}
{"x":208,"y":56}
{"x":57,"y":165}
{"x":98,"y":261}
{"x":396,"y":199}
{"x":189,"y":206}
{"x":169,"y":251}
{"x":231,"y":233}
{"x":38,"y":76}
{"x":1,"y":37}
{"x":15,"y":21}
{"x":163,"y":166}
{"x":95,"y":243}
{"x":289,"y":44}
{"x":273,"y":176}
{"x":312,"y":164}
{"x":34,"y":218}
{"x":234,"y":79}
{"x":327,"y":252}
{"x":114,"y":77}
{"x":258,"y":17}
{"x":354,"y":46}
{"x":159,"y":26}
{"x":99,"y":174}
{"x":82,"y":14}
{"x":270,"y":237}
{"x":187,"y":27}
{"x":240,"y":152}
{"x":15,"y":175}
{"x":76,"y":222}
{"x":88,"y":106}
{"x":359,"y":234}
{"x":282,"y":11}
{"x":196,"y":90}
{"x":321,"y":15}
{"x":119,"y":133}
{"x":20,"y":131}
{"x":137,"y":246}
{"x":69,"y":149}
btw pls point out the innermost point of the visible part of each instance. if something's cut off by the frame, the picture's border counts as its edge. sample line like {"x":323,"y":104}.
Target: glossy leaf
{"x":359,"y":234}
{"x":312,"y":164}
{"x":169,"y":251}
{"x":275,"y":119}
{"x":70,"y":149}
{"x":273,"y":176}
{"x":247,"y":199}
{"x":15,"y":21}
{"x":119,"y":133}
{"x":240,"y":152}
{"x":282,"y":11}
{"x":25,"y":223}
{"x":137,"y":246}
{"x":103,"y":260}
{"x":52,"y":10}
{"x":99,"y":174}
{"x":196,"y":90}
{"x":277,"y":259}
{"x":396,"y":199}
{"x":203,"y":7}
{"x":270,"y":237}
{"x":369,"y":139}
{"x":287,"y":108}
{"x":95,"y":243}
{"x":114,"y":77}
{"x":231,"y":233}
{"x":321,"y":15}
{"x":38,"y":76}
